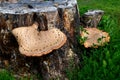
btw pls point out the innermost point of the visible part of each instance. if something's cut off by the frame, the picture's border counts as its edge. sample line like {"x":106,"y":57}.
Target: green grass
{"x":110,"y":6}
{"x":5,"y":75}
{"x":102,"y":63}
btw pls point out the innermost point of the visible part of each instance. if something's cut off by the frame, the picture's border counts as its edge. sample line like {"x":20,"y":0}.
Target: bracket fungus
{"x":94,"y":37}
{"x":37,"y":43}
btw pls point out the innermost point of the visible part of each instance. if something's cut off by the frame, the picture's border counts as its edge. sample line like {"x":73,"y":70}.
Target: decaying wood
{"x":62,"y":14}
{"x":91,"y":18}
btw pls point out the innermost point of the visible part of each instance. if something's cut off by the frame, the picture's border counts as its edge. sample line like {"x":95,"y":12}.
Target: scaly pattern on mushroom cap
{"x":34,"y":43}
{"x":94,"y":37}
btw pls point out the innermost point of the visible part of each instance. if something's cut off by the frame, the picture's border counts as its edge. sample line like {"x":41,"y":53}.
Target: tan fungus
{"x":34,"y":43}
{"x":94,"y":37}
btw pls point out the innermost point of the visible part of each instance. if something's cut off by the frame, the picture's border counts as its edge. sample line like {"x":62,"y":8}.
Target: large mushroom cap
{"x":34,"y":43}
{"x":94,"y":37}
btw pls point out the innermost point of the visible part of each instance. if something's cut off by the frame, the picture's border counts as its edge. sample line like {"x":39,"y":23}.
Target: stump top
{"x":28,"y":6}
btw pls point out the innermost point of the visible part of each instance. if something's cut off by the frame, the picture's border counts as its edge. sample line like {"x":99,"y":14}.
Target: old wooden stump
{"x":91,"y":18}
{"x":62,"y":14}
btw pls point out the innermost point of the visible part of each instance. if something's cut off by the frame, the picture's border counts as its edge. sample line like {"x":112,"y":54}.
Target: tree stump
{"x":62,"y":14}
{"x":91,"y":18}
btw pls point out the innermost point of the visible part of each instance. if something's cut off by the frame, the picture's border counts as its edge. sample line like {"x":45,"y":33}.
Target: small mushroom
{"x":37,"y":43}
{"x":94,"y":37}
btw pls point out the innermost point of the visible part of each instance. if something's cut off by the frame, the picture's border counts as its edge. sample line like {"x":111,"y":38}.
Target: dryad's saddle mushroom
{"x":94,"y":37}
{"x":37,"y":43}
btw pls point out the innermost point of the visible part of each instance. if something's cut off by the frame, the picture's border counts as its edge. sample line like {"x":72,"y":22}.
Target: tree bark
{"x":58,"y":13}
